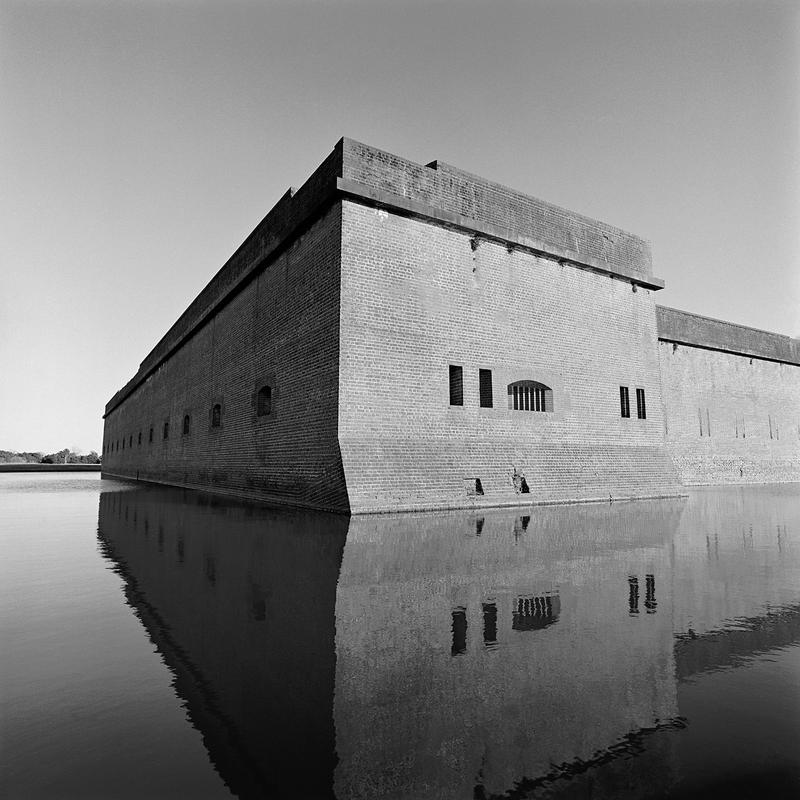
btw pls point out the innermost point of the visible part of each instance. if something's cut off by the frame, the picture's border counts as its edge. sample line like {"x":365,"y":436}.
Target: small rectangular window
{"x":459,"y":628}
{"x":456,"y":386}
{"x":489,"y":624}
{"x":624,"y":402}
{"x":485,"y":382}
{"x":641,"y":410}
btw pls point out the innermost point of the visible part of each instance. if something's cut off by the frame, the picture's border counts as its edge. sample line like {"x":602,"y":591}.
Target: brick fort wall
{"x":358,"y":291}
{"x":280,"y":330}
{"x":418,"y":297}
{"x":731,"y":400}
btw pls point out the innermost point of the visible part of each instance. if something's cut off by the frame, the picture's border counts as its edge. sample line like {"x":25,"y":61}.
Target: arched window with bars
{"x":530,"y":396}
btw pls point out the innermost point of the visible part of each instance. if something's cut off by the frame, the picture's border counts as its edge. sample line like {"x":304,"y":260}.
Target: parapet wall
{"x":511,"y":214}
{"x":683,"y":327}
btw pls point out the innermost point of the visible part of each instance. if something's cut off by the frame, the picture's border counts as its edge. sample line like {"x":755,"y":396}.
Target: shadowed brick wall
{"x":281,"y":329}
{"x":732,"y":415}
{"x":418,"y":297}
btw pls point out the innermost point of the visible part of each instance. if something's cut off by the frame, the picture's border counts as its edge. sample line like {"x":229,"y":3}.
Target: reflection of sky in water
{"x":580,"y":649}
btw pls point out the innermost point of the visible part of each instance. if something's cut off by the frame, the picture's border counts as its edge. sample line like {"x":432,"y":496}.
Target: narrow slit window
{"x":485,"y":385}
{"x":624,"y":402}
{"x":264,"y":401}
{"x":187,"y":425}
{"x":459,"y":630}
{"x":151,"y":434}
{"x":456,"y":385}
{"x":650,"y":602}
{"x":140,"y":438}
{"x":641,"y":409}
{"x":166,"y":430}
{"x":490,"y":624}
{"x":216,"y":416}
{"x":211,"y":570}
{"x":633,"y":595}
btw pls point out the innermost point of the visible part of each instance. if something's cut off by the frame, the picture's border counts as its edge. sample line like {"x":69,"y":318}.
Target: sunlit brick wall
{"x":417,"y":297}
{"x":730,"y":418}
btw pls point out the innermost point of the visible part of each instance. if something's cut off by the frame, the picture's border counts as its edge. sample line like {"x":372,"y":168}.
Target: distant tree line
{"x":65,"y":456}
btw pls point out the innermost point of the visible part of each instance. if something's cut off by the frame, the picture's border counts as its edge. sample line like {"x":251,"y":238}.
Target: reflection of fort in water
{"x":526,"y":614}
{"x":440,"y":655}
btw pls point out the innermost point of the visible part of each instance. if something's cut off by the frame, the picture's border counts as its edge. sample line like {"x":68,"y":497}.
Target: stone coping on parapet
{"x":683,"y":327}
{"x":435,"y":192}
{"x":517,"y":215}
{"x":487,"y":231}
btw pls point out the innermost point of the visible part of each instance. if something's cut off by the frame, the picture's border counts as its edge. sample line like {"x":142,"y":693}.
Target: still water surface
{"x":166,"y":644}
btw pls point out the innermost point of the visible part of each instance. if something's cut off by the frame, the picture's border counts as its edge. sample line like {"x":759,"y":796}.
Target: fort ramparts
{"x":396,"y":336}
{"x":731,"y":399}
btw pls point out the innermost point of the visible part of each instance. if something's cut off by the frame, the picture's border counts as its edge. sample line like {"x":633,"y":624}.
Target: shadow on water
{"x":452,"y":654}
{"x":240,"y":602}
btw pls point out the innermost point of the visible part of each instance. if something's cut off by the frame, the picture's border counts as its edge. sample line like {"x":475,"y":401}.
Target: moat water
{"x":166,"y":644}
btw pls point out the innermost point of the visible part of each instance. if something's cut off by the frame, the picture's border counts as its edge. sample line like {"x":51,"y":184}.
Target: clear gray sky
{"x":142,"y":141}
